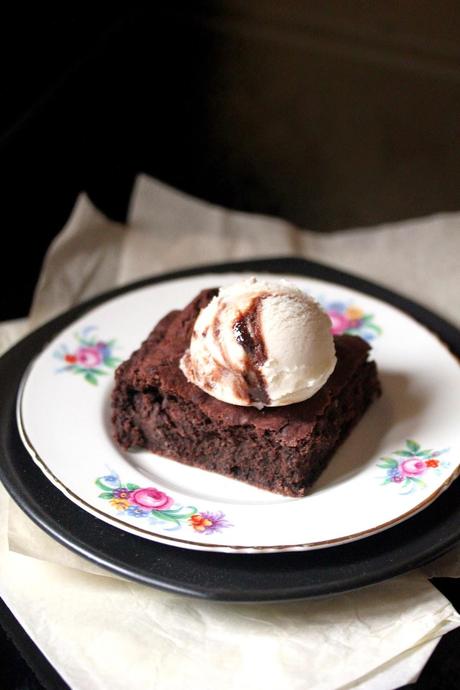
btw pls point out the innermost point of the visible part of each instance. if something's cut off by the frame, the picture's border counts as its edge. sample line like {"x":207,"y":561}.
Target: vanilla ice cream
{"x":261,"y":343}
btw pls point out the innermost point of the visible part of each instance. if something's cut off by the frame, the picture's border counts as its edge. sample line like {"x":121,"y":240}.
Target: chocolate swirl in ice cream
{"x":249,"y":334}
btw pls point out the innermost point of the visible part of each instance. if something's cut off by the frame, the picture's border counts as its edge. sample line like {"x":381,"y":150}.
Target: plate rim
{"x":39,"y":338}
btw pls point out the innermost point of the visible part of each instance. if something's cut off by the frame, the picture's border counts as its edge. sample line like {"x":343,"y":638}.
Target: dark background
{"x":330,"y":115}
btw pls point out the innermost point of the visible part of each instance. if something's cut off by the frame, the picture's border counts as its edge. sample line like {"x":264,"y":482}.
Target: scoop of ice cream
{"x":260,"y":342}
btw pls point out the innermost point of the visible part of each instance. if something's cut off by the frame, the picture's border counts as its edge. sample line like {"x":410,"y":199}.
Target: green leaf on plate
{"x":91,"y":378}
{"x":112,"y":362}
{"x":387,"y":462}
{"x":412,"y":445}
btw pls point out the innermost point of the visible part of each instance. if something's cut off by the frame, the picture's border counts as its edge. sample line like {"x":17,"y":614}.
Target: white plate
{"x":400,"y":457}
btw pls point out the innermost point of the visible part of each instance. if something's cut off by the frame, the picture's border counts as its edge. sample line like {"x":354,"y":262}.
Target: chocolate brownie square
{"x":280,"y":449}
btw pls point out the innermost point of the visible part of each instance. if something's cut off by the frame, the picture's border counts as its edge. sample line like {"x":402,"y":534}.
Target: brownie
{"x":280,"y":449}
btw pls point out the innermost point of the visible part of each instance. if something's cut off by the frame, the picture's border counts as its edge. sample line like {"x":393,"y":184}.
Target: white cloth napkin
{"x":101,"y":631}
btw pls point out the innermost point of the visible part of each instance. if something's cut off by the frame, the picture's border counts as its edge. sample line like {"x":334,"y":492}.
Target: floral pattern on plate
{"x":91,"y":358}
{"x":346,"y":317}
{"x":156,"y":506}
{"x":407,"y":466}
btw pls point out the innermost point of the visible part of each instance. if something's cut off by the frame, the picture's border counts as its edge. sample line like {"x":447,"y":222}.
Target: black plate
{"x":221,"y":576}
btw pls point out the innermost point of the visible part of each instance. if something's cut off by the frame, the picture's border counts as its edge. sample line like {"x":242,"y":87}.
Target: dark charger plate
{"x":221,"y":576}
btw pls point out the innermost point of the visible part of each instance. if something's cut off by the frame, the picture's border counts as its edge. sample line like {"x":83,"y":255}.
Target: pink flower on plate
{"x":89,"y":357}
{"x":412,"y":467}
{"x":151,"y":499}
{"x":339,"y":322}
